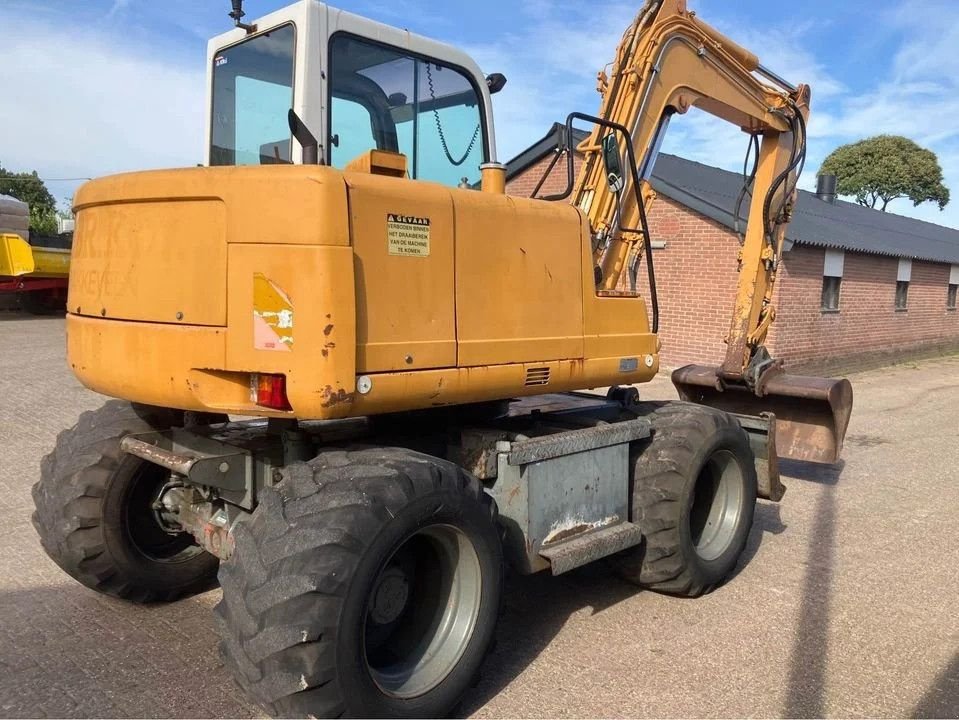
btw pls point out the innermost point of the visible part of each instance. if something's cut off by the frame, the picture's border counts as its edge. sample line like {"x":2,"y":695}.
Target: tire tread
{"x":277,"y":644}
{"x":660,"y":478}
{"x":74,"y":479}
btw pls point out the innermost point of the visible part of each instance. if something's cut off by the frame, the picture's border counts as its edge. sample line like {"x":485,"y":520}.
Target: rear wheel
{"x":366,"y":583}
{"x":693,"y":495}
{"x":94,"y":510}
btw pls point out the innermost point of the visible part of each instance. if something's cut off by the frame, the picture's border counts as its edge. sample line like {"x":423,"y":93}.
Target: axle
{"x":180,"y":508}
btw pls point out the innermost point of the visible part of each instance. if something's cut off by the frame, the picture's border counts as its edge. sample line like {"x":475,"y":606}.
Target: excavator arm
{"x":667,"y":62}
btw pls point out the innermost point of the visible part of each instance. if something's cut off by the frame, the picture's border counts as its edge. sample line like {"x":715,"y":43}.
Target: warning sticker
{"x":408,"y":235}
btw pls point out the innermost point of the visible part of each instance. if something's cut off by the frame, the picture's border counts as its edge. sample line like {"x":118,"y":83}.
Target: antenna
{"x":237,"y":16}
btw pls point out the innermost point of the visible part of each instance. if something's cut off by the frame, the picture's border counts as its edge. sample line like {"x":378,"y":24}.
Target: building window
{"x":902,"y":294}
{"x":951,"y":296}
{"x":832,"y":280}
{"x":902,"y":283}
{"x":830,"y":292}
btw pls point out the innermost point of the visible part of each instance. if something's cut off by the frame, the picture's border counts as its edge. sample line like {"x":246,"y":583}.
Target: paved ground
{"x":846,"y":603}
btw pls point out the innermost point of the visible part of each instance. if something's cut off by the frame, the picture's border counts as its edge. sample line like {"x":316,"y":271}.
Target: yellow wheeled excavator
{"x":412,"y":344}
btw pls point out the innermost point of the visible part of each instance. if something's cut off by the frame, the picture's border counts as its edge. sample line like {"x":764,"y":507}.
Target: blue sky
{"x":102,"y":86}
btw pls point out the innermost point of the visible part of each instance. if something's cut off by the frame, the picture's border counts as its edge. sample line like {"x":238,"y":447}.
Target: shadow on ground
{"x":941,"y":700}
{"x":806,"y":683}
{"x":529,"y":623}
{"x":536,"y":607}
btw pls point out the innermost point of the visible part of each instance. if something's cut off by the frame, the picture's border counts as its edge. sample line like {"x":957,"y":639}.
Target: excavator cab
{"x":355,"y":86}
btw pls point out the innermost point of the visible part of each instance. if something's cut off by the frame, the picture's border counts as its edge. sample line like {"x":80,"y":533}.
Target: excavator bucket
{"x":811,"y":413}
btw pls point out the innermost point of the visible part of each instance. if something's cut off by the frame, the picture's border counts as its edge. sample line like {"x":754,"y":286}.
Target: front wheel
{"x":693,"y":496}
{"x":366,"y":583}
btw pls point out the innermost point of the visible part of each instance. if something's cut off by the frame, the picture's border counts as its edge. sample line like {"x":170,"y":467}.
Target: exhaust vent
{"x":826,"y":188}
{"x":537,"y":376}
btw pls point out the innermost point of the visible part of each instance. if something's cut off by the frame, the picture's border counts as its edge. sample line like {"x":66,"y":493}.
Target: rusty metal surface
{"x":476,"y":451}
{"x":567,"y":443}
{"x":179,"y":464}
{"x":761,"y":431}
{"x":209,"y":522}
{"x":555,"y":488}
{"x":586,"y":547}
{"x":203,"y":460}
{"x":812,"y":413}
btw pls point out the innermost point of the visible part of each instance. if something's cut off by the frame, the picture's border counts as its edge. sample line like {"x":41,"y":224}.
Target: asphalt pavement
{"x":845,"y":604}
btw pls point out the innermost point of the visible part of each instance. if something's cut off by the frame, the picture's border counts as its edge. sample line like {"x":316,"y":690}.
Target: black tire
{"x":93,"y":511}
{"x":297,"y":614}
{"x":693,"y":496}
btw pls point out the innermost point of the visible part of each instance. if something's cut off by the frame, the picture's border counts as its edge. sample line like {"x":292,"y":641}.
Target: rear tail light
{"x":269,"y":390}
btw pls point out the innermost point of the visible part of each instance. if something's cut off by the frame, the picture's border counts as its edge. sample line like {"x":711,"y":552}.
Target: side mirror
{"x":612,"y":164}
{"x":495,"y":82}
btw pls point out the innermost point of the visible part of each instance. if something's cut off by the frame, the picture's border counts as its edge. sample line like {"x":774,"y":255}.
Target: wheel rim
{"x":717,"y":505}
{"x":422,"y":611}
{"x":143,"y":529}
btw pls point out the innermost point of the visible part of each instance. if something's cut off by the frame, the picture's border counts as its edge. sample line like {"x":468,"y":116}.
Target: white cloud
{"x":914,"y":92}
{"x":916,"y":95}
{"x":76,"y":104}
{"x":551,"y":61}
{"x":552,"y":64}
{"x":117,"y":6}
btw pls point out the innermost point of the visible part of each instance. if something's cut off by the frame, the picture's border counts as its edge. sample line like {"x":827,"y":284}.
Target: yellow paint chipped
{"x":272,"y":315}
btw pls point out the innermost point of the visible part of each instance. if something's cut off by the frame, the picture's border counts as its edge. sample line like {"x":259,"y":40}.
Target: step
{"x":593,"y":545}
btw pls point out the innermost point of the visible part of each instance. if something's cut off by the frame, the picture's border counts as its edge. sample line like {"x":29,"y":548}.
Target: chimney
{"x":826,"y":188}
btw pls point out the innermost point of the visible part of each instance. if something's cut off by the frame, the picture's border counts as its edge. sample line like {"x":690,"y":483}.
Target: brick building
{"x":856,"y":286}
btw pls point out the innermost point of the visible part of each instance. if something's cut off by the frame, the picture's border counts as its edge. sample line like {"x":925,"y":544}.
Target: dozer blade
{"x":812,"y":413}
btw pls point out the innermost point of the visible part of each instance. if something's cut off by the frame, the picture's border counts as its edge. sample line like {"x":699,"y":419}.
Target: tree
{"x":885,"y":168}
{"x":66,"y":214}
{"x":29,"y":188}
{"x":43,"y":223}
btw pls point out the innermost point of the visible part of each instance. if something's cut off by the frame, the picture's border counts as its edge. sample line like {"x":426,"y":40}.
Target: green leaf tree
{"x":28,"y":187}
{"x":884,"y":168}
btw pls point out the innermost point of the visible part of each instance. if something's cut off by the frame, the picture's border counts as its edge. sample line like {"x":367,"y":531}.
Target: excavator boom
{"x":667,"y":62}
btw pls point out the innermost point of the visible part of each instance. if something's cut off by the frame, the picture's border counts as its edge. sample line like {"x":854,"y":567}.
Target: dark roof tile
{"x":843,"y":225}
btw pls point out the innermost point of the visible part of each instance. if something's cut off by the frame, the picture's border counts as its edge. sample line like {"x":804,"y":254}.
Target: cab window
{"x":382,"y":98}
{"x":252,"y":92}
